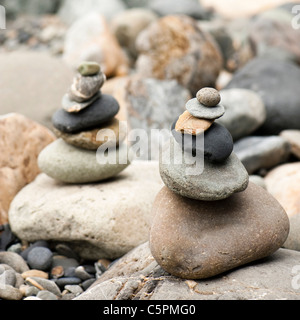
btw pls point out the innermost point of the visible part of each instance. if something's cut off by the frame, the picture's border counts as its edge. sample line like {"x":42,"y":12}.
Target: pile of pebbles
{"x":42,"y":271}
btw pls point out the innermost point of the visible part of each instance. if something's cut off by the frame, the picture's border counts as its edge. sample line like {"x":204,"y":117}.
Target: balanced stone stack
{"x":213,"y":220}
{"x":85,"y":123}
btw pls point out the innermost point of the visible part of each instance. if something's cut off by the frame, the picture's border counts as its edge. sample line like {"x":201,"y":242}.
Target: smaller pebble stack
{"x":85,"y":122}
{"x":42,"y":272}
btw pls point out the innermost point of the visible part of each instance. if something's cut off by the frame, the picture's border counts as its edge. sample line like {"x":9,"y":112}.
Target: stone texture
{"x":215,"y":182}
{"x":69,"y":164}
{"x":151,"y":104}
{"x":35,"y":90}
{"x":138,"y":276}
{"x":103,"y":220}
{"x":21,"y":141}
{"x":244,"y":112}
{"x":90,"y":38}
{"x":189,"y":124}
{"x":14,"y":260}
{"x":276,"y":81}
{"x":261,"y":152}
{"x":173,"y":47}
{"x":127,"y":25}
{"x":210,"y":97}
{"x":283,"y":183}
{"x":112,"y":133}
{"x":215,"y":144}
{"x":293,"y":137}
{"x":200,"y":239}
{"x":99,"y":112}
{"x":201,"y":111}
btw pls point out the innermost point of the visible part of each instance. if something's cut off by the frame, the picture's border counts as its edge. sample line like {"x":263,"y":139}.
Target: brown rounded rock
{"x":199,"y":239}
{"x":209,"y":97}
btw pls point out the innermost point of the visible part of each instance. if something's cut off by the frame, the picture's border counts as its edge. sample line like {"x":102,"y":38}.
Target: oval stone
{"x":66,"y":163}
{"x":198,"y":110}
{"x":199,"y":239}
{"x":210,"y":97}
{"x":215,"y":182}
{"x":99,"y":112}
{"x":217,"y":147}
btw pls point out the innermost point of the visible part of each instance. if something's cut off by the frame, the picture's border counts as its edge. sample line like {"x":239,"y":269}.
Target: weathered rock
{"x":200,"y":239}
{"x":148,"y":103}
{"x":21,"y":141}
{"x":127,"y":25}
{"x":215,"y":182}
{"x":261,"y":152}
{"x":293,"y":137}
{"x":138,"y":276}
{"x":49,"y":76}
{"x":210,"y":97}
{"x":283,"y":183}
{"x":69,"y":164}
{"x":103,"y":220}
{"x":279,"y":92}
{"x":90,"y":39}
{"x":112,"y":133}
{"x":8,"y":292}
{"x":244,"y":112}
{"x":174,"y":47}
{"x":189,"y":124}
{"x":14,"y":260}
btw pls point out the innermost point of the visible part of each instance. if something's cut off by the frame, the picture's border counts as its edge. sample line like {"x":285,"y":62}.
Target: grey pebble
{"x":74,"y":288}
{"x":196,"y":109}
{"x":39,"y":243}
{"x":61,"y":282}
{"x":14,"y":260}
{"x":31,"y":291}
{"x":8,"y":277}
{"x":81,"y":273}
{"x":87,"y":283}
{"x":40,"y":258}
{"x":8,"y":292}
{"x":48,"y":285}
{"x":65,"y":250}
{"x":46,"y":295}
{"x":17,"y":248}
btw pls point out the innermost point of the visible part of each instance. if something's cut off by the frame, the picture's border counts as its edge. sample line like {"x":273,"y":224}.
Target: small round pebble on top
{"x":209,"y":97}
{"x":88,"y":68}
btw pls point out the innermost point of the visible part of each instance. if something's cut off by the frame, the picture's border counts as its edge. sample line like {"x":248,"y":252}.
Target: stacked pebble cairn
{"x":216,"y":220}
{"x":85,"y":122}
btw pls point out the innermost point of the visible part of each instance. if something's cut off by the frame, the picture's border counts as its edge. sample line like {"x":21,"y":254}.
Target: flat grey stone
{"x":216,"y":182}
{"x":261,"y":152}
{"x":196,"y":109}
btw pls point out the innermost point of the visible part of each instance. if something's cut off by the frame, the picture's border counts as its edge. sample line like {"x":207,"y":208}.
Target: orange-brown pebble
{"x":189,"y":124}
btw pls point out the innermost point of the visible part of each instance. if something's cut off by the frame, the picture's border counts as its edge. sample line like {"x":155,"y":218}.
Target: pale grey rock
{"x":261,"y":152}
{"x":103,"y":220}
{"x":14,"y":260}
{"x":70,"y":164}
{"x":267,"y":279}
{"x":244,"y":111}
{"x":196,"y":109}
{"x":214,"y":182}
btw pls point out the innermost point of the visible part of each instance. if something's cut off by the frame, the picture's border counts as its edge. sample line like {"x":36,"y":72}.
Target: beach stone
{"x":72,"y":10}
{"x":64,"y":281}
{"x":8,"y":292}
{"x":285,"y":75}
{"x":90,"y":39}
{"x":215,"y":182}
{"x":271,"y":277}
{"x":45,"y":284}
{"x":70,"y":105}
{"x":35,"y":273}
{"x":190,"y":8}
{"x":217,"y":145}
{"x":261,"y":152}
{"x":195,"y":108}
{"x":8,"y":277}
{"x":14,"y":260}
{"x":293,"y":137}
{"x":283,"y":183}
{"x":101,"y":220}
{"x":143,"y":98}
{"x":244,"y":112}
{"x":112,"y":133}
{"x":173,"y":47}
{"x":49,"y":86}
{"x":40,"y":258}
{"x":38,"y":243}
{"x":189,"y":124}
{"x":127,"y":25}
{"x":84,"y":88}
{"x":22,"y":139}
{"x":99,"y":112}
{"x":46,"y":295}
{"x":88,"y":68}
{"x":69,"y":164}
{"x":243,"y":228}
{"x":210,"y":97}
